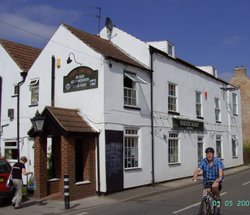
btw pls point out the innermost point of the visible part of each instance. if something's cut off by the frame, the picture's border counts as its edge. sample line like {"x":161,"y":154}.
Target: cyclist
{"x":212,"y":169}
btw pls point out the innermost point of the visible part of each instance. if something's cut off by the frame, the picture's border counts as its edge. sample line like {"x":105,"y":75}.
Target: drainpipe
{"x":23,"y":74}
{"x":98,"y":166}
{"x":152,"y":114}
{"x":53,"y":60}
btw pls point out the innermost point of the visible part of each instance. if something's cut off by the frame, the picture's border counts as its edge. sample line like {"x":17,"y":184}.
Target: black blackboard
{"x":114,"y":160}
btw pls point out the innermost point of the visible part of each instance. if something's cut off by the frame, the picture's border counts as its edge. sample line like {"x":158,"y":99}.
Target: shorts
{"x":209,"y":185}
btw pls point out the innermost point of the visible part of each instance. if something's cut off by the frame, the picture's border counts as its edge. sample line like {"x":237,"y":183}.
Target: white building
{"x":154,"y":113}
{"x":192,"y":108}
{"x":16,"y":60}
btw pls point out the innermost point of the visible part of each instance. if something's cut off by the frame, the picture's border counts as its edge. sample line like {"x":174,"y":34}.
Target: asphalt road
{"x":185,"y":201}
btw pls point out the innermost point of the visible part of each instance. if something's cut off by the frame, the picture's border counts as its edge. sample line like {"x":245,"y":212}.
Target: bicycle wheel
{"x":203,"y":208}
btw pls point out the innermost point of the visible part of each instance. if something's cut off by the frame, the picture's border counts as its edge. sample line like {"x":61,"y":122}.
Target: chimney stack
{"x":240,"y":72}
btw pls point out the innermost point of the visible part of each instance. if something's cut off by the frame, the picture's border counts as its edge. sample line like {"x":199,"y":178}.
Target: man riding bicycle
{"x":212,"y":168}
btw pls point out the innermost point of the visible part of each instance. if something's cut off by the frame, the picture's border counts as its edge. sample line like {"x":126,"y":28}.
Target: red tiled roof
{"x":70,"y":120}
{"x":23,"y":55}
{"x":104,"y":47}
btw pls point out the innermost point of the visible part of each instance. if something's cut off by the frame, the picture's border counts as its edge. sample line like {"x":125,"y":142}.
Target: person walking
{"x":17,"y":170}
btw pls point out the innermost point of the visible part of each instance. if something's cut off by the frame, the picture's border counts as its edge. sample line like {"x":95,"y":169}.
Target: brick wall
{"x":68,"y":167}
{"x":240,"y":79}
{"x":40,"y":167}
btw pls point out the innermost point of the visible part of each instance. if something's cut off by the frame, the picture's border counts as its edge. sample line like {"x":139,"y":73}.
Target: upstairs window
{"x":235,"y":104}
{"x":34,"y":89}
{"x":217,"y":110}
{"x":198,"y":101}
{"x":130,"y":82}
{"x":172,"y":97}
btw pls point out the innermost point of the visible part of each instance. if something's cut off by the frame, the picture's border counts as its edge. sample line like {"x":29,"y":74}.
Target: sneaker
{"x":12,"y":204}
{"x":18,"y":207}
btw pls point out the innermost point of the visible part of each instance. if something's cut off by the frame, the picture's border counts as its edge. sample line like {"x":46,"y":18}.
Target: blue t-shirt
{"x":211,"y":173}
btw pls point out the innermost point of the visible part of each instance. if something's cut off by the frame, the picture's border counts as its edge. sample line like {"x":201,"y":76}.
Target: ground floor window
{"x":234,"y":147}
{"x":173,"y":148}
{"x":219,"y":146}
{"x":200,"y":148}
{"x":11,"y":151}
{"x":131,"y":154}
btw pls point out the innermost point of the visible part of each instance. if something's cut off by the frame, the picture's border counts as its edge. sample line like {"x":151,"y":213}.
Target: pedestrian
{"x":17,"y":170}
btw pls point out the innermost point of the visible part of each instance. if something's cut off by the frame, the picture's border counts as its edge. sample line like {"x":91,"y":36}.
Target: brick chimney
{"x":240,"y":72}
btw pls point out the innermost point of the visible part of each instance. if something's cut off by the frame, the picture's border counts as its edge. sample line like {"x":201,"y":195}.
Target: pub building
{"x":120,"y":113}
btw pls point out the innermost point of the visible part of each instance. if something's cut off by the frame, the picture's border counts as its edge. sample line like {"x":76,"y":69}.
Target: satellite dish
{"x":109,"y":24}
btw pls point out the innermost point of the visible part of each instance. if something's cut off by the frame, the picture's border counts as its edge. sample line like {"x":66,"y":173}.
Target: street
{"x":235,"y":200}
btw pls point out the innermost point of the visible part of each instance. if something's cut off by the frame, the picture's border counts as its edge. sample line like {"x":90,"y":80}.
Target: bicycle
{"x":209,"y":203}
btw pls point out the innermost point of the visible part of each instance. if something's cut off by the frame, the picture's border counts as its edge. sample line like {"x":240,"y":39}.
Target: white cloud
{"x":41,"y":20}
{"x":48,"y":14}
{"x":232,"y":40}
{"x":32,"y":30}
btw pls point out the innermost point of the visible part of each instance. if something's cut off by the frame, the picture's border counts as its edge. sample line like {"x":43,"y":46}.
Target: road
{"x":185,"y":201}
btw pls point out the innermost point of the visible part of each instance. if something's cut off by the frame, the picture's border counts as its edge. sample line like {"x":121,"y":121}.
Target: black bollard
{"x":66,"y":192}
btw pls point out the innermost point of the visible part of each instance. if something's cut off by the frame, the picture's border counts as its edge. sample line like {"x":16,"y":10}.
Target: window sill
{"x":219,"y":122}
{"x":235,"y":114}
{"x":53,"y":179}
{"x":132,"y":107}
{"x":222,"y":159}
{"x":174,"y":164}
{"x":133,"y":169}
{"x":14,"y":96}
{"x":82,"y":182}
{"x":199,"y":117}
{"x":173,"y":113}
{"x":33,"y":105}
{"x":235,"y":157}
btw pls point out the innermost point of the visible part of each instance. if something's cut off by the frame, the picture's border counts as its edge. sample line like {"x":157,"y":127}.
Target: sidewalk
{"x":52,"y":207}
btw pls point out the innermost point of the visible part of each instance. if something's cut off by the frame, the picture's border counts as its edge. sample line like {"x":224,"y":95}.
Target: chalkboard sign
{"x":114,"y":160}
{"x":80,"y":78}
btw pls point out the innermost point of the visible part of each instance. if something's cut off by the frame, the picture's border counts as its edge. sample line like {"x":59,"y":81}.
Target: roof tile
{"x":70,"y":120}
{"x":23,"y":55}
{"x":104,"y":47}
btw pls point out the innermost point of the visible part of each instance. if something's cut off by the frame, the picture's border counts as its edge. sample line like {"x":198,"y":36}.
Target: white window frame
{"x":34,"y":92}
{"x":172,"y":107}
{"x":235,"y":103}
{"x":130,"y":96}
{"x":219,"y":140}
{"x":234,"y":147}
{"x":198,"y":103}
{"x":200,"y":151}
{"x":131,"y":149}
{"x":173,"y":158}
{"x":217,"y":110}
{"x":6,"y":147}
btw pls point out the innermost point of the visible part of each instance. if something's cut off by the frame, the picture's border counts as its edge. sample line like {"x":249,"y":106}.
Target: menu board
{"x":114,"y":160}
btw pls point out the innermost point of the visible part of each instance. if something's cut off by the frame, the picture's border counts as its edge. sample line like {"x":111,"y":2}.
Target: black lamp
{"x":69,"y":60}
{"x":38,"y":122}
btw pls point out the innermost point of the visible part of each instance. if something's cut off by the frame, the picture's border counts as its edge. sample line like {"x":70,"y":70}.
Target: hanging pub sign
{"x":186,"y":124}
{"x":80,"y":78}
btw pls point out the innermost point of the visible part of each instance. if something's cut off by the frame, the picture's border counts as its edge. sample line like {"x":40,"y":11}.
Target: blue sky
{"x":205,"y":32}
